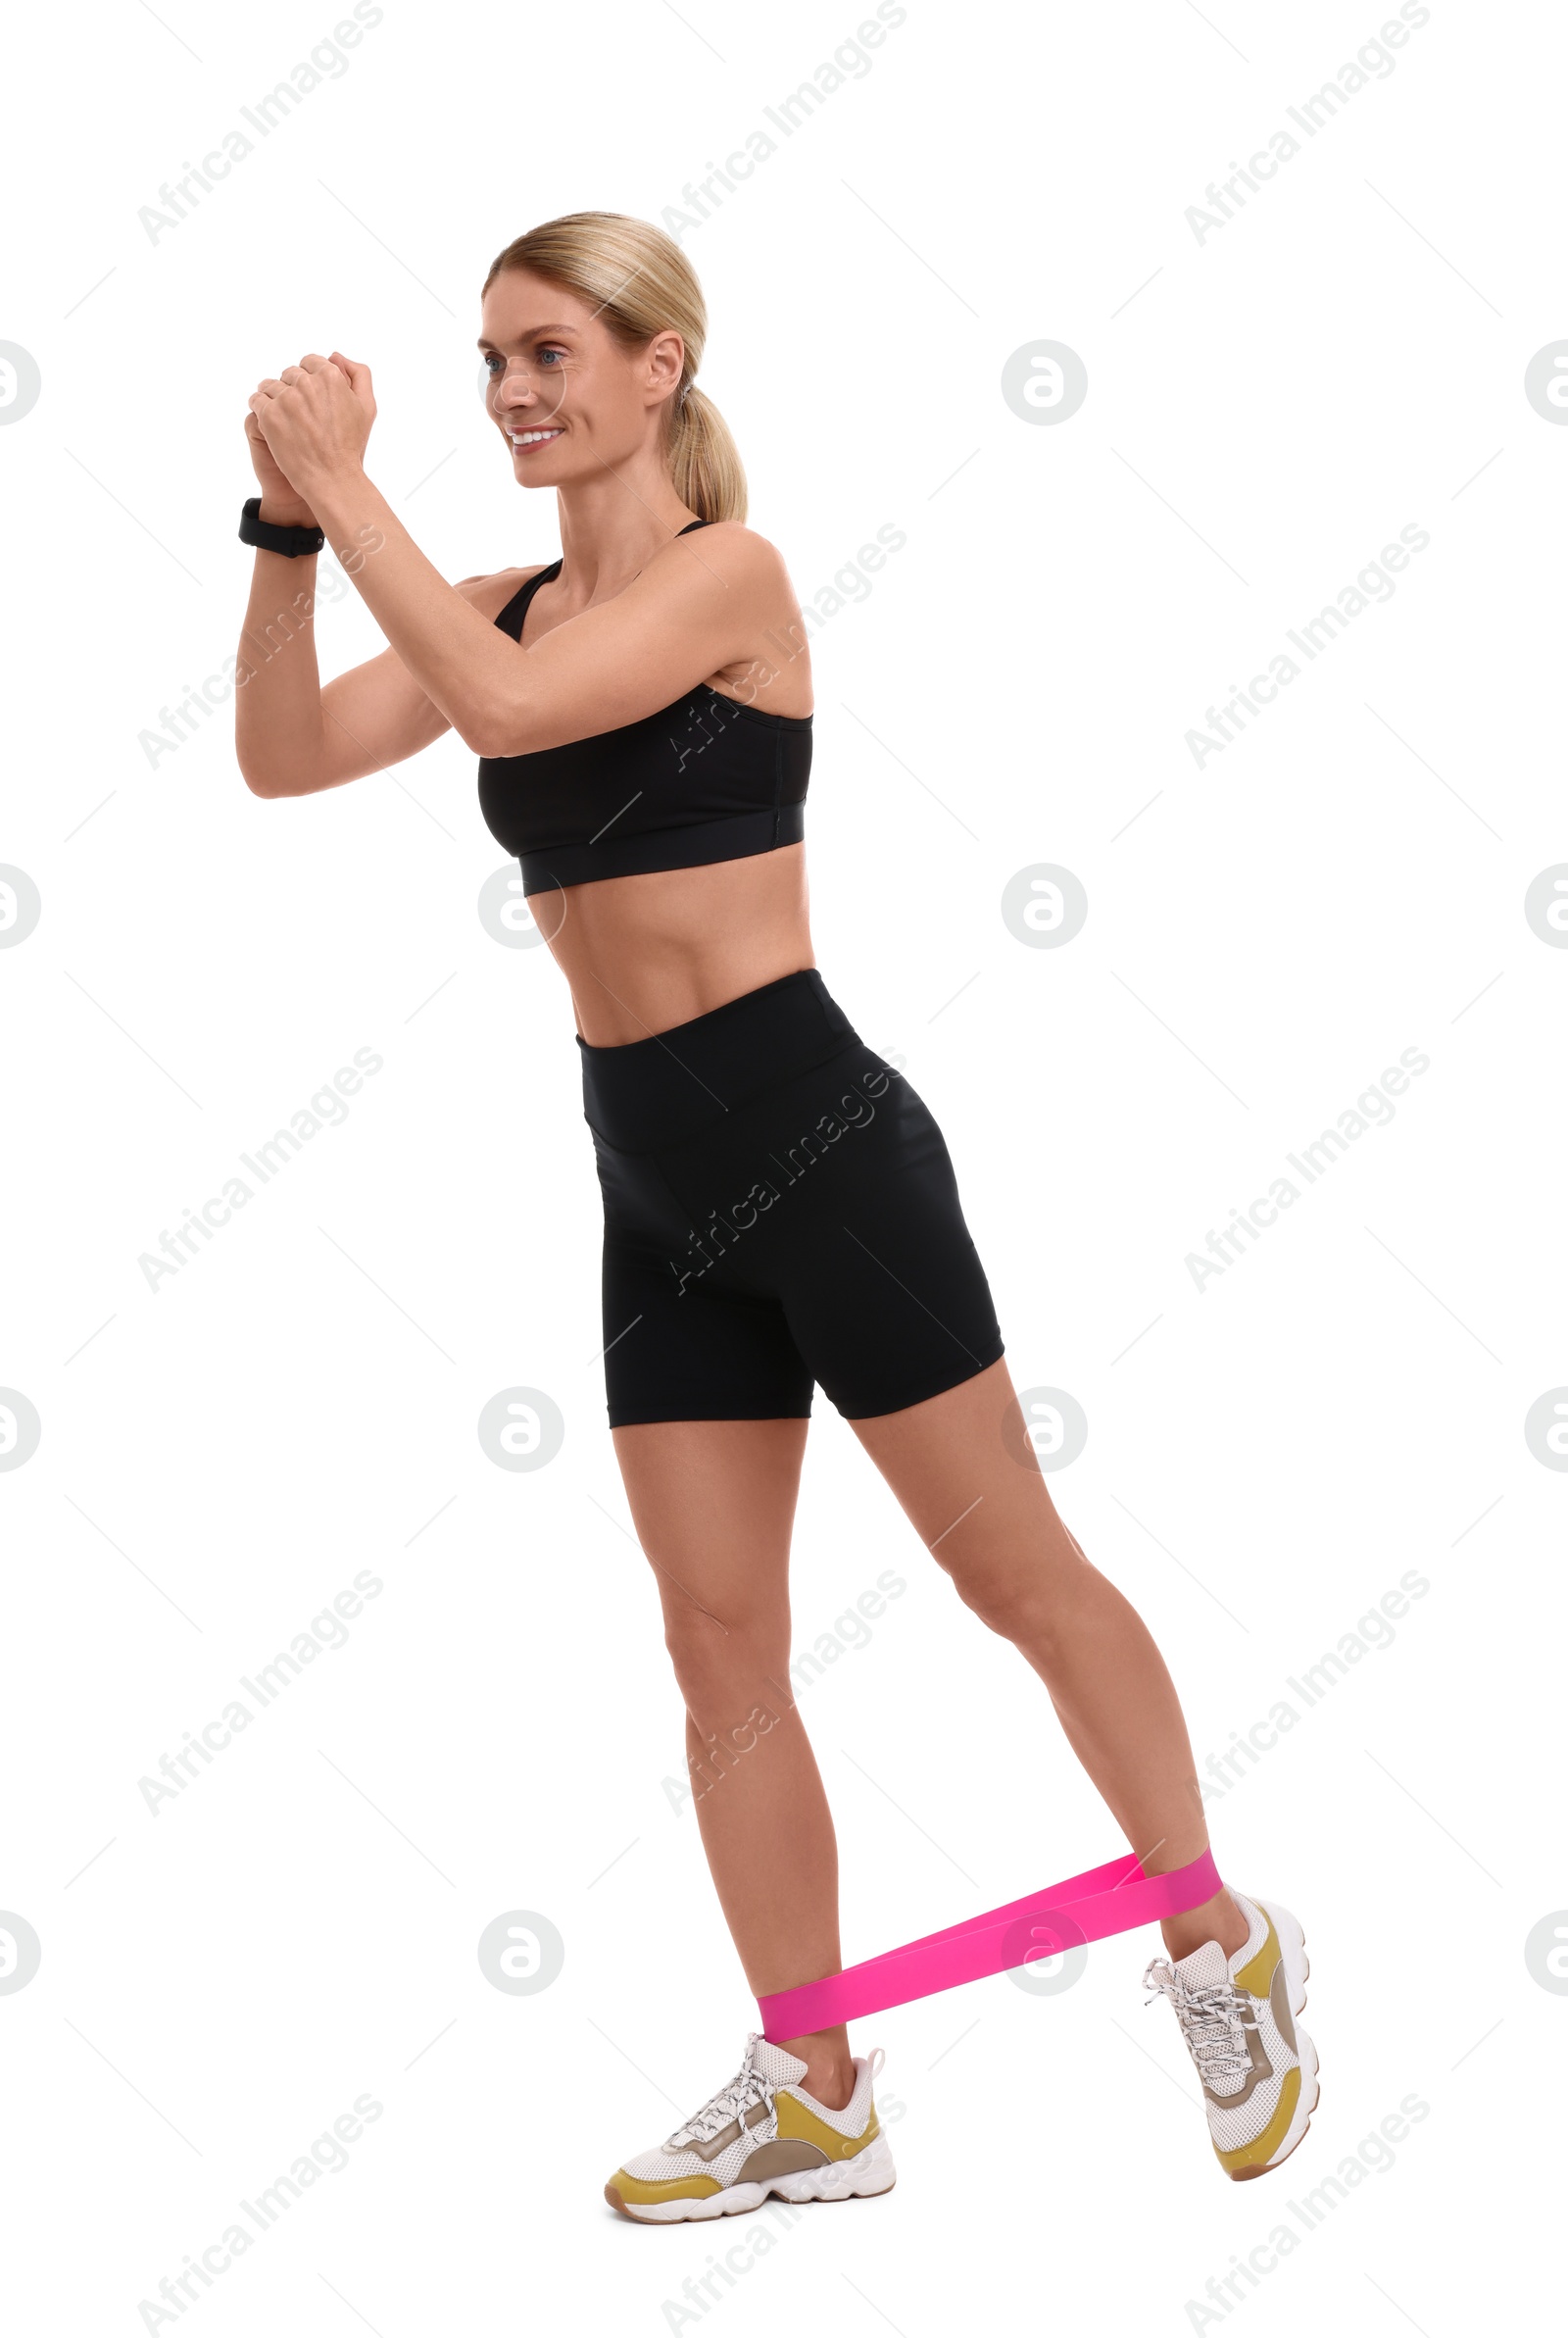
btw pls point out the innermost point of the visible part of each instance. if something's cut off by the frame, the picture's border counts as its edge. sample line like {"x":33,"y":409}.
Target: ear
{"x":666,"y":358}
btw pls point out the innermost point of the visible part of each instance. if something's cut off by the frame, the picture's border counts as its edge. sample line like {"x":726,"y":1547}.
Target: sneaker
{"x":1238,"y":2015}
{"x":761,"y":2133}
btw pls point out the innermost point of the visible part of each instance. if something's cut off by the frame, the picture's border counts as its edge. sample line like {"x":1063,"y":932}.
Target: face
{"x":565,"y":398}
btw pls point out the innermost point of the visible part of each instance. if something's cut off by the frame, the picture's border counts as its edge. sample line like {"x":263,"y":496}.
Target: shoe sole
{"x":1298,"y":1967}
{"x":870,"y":2173}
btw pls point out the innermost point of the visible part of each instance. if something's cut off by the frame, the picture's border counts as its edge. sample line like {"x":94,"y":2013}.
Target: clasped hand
{"x":316,"y":418}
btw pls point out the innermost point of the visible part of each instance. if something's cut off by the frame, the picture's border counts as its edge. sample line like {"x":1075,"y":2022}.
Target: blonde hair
{"x":640,"y":282}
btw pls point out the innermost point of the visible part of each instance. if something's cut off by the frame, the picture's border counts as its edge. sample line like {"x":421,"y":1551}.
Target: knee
{"x":719,"y":1668}
{"x":1018,"y":1604}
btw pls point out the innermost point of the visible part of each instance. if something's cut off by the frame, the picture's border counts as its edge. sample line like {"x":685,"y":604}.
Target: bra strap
{"x":511,"y":618}
{"x":515,"y":615}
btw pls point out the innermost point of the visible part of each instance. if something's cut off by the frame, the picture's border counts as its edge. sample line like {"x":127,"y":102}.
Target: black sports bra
{"x":704,"y":779}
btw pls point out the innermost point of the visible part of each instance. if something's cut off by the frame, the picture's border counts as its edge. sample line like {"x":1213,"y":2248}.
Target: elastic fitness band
{"x":1116,"y":1898}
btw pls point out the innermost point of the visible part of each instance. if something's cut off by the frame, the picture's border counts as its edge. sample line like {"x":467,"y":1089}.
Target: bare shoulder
{"x":770,"y":666}
{"x":737,"y":551}
{"x":728,"y":565}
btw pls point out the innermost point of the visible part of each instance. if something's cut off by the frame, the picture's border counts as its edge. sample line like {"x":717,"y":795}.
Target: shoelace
{"x":748,"y":2086}
{"x":1213,"y":2020}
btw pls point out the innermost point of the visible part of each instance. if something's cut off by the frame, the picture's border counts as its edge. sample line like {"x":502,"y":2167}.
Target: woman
{"x":779,"y":1207}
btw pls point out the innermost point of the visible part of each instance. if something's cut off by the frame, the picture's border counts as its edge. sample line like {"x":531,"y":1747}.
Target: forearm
{"x":278,"y":728}
{"x":466,"y":669}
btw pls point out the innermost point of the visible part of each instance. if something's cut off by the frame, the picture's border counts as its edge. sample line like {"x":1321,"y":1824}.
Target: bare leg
{"x":976,"y":1498}
{"x":713,"y":1503}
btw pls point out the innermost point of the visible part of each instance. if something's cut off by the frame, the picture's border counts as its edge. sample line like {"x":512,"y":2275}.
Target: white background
{"x":1267,"y":409}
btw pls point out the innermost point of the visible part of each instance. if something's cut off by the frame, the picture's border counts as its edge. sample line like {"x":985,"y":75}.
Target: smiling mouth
{"x":526,"y":438}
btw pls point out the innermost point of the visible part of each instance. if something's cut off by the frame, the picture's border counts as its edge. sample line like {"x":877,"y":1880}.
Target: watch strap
{"x":263,"y":536}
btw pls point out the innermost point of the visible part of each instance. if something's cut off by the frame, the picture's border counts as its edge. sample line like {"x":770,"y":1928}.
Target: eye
{"x":552,"y":352}
{"x":491,"y":362}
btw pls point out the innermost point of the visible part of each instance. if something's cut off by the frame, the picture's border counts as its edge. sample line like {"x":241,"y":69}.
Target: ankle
{"x":829,"y":2075}
{"x":1219,"y":1918}
{"x":830,"y":2082}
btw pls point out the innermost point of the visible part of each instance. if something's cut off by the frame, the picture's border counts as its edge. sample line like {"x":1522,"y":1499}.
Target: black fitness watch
{"x":292,"y":543}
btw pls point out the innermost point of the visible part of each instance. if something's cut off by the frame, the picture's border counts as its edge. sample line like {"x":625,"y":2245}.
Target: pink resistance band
{"x":1116,"y":1898}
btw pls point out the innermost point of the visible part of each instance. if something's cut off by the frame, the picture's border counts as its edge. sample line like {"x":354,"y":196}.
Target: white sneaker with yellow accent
{"x":1258,"y":2069}
{"x":760,"y":2133}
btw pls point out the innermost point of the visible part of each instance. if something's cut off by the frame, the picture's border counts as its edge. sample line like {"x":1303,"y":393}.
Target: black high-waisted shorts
{"x":779,"y":1210}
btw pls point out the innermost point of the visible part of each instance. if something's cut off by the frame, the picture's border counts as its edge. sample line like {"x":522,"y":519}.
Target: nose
{"x":513,"y":394}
